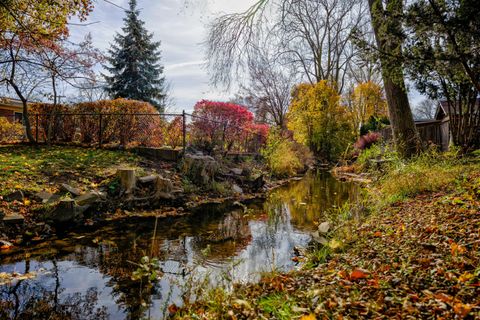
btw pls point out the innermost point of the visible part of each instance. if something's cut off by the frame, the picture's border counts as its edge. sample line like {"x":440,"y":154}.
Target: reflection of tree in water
{"x":114,"y":258}
{"x":30,"y":300}
{"x":310,"y":197}
{"x":259,"y":240}
{"x":225,"y":238}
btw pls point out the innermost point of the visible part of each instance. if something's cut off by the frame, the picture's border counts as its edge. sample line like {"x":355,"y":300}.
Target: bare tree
{"x":425,"y":110}
{"x":313,"y":37}
{"x":20,"y":70}
{"x":269,"y":88}
{"x":317,"y":34}
{"x":89,"y":90}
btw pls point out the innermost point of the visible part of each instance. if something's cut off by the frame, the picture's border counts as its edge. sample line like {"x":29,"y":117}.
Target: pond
{"x":89,"y":276}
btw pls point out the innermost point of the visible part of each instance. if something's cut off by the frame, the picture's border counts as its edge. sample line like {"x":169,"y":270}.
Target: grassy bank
{"x":41,"y":168}
{"x":414,"y":254}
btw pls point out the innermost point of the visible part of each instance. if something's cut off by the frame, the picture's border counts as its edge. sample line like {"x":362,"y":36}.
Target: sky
{"x":181,"y":26}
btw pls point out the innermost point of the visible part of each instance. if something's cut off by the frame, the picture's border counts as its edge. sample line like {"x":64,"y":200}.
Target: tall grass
{"x":428,"y":172}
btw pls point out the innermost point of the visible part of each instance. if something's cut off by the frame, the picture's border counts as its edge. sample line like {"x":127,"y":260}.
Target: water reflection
{"x":89,"y":277}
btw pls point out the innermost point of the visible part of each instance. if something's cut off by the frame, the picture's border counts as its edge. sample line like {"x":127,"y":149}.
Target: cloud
{"x":180,"y":25}
{"x":183,"y":65}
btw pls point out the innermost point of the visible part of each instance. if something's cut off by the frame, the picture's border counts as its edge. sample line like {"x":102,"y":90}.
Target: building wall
{"x":431,"y":132}
{"x":9,"y":114}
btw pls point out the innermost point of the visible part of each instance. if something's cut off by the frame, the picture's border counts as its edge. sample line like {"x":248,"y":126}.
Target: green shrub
{"x":377,"y":152}
{"x":284,"y":156}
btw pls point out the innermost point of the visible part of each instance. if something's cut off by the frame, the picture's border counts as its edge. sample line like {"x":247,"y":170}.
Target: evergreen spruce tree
{"x":135,"y":69}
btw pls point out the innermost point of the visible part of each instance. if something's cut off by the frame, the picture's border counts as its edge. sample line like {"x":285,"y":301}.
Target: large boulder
{"x":65,"y":211}
{"x":200,"y":169}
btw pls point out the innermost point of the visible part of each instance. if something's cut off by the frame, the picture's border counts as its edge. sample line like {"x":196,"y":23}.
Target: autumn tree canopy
{"x":319,"y":121}
{"x":367,"y":100}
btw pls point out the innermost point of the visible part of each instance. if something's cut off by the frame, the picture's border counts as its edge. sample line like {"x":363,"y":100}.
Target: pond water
{"x":88,"y":276}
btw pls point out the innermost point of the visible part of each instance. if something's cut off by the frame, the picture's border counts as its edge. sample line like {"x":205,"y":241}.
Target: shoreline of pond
{"x":165,"y":212}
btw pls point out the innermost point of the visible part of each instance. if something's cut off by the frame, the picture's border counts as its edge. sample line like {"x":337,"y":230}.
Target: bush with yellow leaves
{"x":319,"y":121}
{"x":10,"y":131}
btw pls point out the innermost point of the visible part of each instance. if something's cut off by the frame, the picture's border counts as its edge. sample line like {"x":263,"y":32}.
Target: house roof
{"x":11,"y":104}
{"x":443,"y":110}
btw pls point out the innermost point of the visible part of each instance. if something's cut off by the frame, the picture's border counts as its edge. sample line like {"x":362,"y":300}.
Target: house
{"x":443,"y":112}
{"x":12,"y":109}
{"x":452,"y":117}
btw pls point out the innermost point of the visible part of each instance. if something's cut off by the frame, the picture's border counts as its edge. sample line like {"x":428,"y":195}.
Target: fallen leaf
{"x":462,"y":310}
{"x":358,"y":274}
{"x":310,"y":316}
{"x":172,"y":308}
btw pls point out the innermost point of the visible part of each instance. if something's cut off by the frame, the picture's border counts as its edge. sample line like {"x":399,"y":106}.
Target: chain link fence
{"x":172,"y":130}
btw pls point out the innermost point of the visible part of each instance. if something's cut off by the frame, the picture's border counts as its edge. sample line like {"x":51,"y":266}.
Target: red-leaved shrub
{"x":367,"y":140}
{"x":119,"y":121}
{"x":226,"y":125}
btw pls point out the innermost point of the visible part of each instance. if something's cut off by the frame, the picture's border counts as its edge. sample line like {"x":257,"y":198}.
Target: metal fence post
{"x":184,"y":130}
{"x":36,"y":128}
{"x":100,"y":131}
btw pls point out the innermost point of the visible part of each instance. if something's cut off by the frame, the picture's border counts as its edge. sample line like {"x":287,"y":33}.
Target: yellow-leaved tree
{"x":367,"y":100}
{"x":319,"y":121}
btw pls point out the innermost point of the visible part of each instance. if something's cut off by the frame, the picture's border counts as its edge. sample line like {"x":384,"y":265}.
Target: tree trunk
{"x":26,"y":120}
{"x":387,"y":28}
{"x":127,"y":180}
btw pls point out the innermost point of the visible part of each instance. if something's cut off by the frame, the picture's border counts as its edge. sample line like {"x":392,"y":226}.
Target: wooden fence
{"x":431,"y":132}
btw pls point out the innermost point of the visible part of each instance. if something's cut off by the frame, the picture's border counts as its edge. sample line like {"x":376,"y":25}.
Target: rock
{"x":237,"y":189}
{"x":258,"y":183}
{"x":13,"y":219}
{"x":65,"y":211}
{"x":148,"y":179}
{"x":324,"y":227}
{"x":319,"y":239}
{"x":43,"y":196}
{"x":90,"y":198}
{"x":46,"y":197}
{"x":237,"y":171}
{"x":246,"y":172}
{"x":199,"y":169}
{"x":15,"y":196}
{"x":163,"y":188}
{"x":68,"y":188}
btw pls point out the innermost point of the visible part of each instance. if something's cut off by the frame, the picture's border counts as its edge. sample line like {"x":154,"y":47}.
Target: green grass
{"x":33,"y":169}
{"x":428,"y":172}
{"x":278,"y":305}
